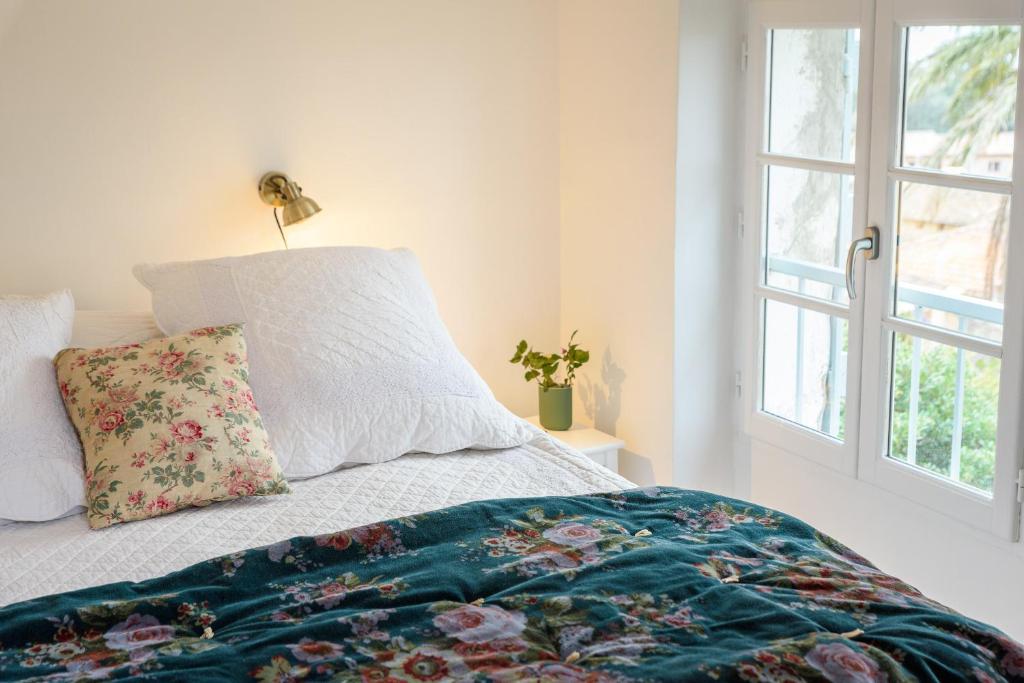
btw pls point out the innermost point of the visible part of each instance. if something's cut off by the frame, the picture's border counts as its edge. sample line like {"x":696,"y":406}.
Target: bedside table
{"x":598,"y":446}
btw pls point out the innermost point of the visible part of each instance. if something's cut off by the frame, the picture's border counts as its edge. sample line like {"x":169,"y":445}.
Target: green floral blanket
{"x":640,"y":585}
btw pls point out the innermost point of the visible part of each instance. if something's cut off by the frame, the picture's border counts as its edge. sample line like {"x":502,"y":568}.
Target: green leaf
{"x":546,"y":366}
{"x":520,"y":350}
{"x":578,"y":356}
{"x":536,"y":360}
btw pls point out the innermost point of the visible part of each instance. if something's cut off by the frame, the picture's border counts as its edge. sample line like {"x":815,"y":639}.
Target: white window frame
{"x":766,"y":15}
{"x":998,"y":514}
{"x":864,"y":453}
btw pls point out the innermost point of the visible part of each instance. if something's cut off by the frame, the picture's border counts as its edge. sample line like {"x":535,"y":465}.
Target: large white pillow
{"x":349,"y":359}
{"x":40,"y":458}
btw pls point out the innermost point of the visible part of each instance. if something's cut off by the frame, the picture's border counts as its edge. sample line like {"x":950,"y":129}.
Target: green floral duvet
{"x":641,"y":585}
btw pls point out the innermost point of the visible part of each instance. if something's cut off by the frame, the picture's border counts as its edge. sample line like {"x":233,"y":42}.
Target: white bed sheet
{"x":50,"y":557}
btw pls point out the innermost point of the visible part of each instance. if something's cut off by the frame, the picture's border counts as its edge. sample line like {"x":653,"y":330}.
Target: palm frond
{"x":982,"y":65}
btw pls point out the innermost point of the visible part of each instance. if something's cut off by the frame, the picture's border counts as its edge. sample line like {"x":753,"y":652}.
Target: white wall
{"x":618,"y":71}
{"x":136,"y":130}
{"x":707,"y":205}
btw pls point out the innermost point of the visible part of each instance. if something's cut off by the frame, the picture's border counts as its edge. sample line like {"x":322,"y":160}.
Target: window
{"x":808,"y":219}
{"x":906,"y":124}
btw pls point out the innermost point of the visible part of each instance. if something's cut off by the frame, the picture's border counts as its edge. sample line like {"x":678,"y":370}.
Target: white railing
{"x":964,"y":309}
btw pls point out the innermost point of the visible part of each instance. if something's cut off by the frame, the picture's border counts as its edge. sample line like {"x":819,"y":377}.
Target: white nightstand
{"x":598,"y":446}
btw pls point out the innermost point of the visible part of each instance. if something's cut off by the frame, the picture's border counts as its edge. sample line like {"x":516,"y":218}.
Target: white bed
{"x":42,"y":558}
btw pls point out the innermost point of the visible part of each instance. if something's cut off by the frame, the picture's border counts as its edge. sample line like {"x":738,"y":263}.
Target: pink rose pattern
{"x":840,"y":663}
{"x":562,"y":591}
{"x":167,"y":424}
{"x":137,"y":631}
{"x":84,"y":649}
{"x":572,"y":534}
{"x":187,"y":431}
{"x":309,"y":650}
{"x":480,"y":624}
{"x":702,"y":524}
{"x":563,"y":545}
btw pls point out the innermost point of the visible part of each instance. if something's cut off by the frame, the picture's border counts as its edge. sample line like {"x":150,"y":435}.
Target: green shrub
{"x":936,"y":407}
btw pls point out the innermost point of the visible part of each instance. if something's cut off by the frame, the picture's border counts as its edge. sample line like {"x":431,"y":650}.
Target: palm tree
{"x":982,"y":64}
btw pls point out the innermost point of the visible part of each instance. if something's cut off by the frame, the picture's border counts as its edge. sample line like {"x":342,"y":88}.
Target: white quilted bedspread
{"x":50,"y":557}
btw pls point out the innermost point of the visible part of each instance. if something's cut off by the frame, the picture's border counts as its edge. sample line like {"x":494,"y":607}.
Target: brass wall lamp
{"x":280,"y":191}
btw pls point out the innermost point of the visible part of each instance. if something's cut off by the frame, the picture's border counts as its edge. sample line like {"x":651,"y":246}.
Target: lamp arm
{"x":278,"y":190}
{"x":280,"y":229}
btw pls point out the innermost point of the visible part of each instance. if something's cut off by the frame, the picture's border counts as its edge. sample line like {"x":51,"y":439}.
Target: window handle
{"x":868,"y":243}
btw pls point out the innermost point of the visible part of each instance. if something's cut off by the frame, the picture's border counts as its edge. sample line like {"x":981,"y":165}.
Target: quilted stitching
{"x":40,"y":460}
{"x":348,"y":353}
{"x":64,"y":555}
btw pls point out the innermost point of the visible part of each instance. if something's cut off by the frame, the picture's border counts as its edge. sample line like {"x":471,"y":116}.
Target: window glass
{"x":809,"y":222}
{"x":960,"y":96}
{"x":813,"y":92}
{"x":805,"y":367}
{"x":944,"y":408}
{"x":951,"y":258}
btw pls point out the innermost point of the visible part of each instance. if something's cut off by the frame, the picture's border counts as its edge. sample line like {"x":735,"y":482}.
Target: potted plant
{"x":554,"y":397}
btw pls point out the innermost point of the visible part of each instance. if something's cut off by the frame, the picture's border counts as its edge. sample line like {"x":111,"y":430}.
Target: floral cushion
{"x":167,"y":424}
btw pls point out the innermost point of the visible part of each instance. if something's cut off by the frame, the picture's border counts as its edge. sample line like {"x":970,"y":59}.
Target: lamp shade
{"x":280,"y":191}
{"x":298,"y":209}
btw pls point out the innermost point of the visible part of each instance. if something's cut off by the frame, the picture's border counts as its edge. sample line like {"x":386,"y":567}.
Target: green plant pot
{"x":555,"y":408}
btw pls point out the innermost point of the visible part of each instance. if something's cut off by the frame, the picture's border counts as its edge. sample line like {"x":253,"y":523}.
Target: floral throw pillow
{"x":167,"y":424}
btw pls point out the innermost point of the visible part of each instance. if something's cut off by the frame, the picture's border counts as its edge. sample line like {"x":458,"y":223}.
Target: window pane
{"x":813,"y":92}
{"x":944,"y":405}
{"x":960,"y":96}
{"x":951,"y":260}
{"x":809,"y":220}
{"x":805,"y":367}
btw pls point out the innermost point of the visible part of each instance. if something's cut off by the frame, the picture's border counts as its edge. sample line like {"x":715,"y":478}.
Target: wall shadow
{"x":602,"y":401}
{"x":602,"y":404}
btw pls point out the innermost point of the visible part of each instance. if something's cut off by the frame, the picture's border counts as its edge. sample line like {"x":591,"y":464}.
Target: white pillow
{"x":40,"y":458}
{"x":349,"y":359}
{"x":112,"y":328}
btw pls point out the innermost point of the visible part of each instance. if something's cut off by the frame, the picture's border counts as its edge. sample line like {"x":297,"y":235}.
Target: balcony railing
{"x":963,"y":309}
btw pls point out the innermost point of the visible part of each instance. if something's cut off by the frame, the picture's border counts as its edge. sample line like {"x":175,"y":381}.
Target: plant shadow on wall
{"x":602,"y":401}
{"x":602,"y":404}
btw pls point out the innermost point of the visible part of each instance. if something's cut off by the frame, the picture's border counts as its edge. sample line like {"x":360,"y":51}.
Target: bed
{"x":416,"y":530}
{"x":643,"y":584}
{"x":51,"y":557}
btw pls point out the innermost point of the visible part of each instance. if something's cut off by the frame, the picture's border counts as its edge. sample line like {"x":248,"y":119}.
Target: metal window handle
{"x":868,"y":243}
